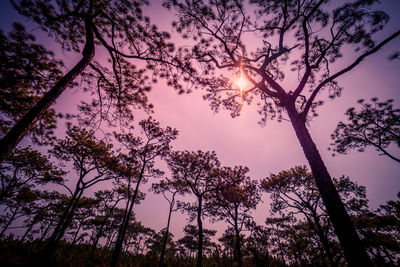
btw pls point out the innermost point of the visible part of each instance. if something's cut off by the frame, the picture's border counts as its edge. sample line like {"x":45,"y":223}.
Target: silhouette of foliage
{"x":309,"y":38}
{"x":199,"y":172}
{"x":27,"y":72}
{"x":377,"y":124}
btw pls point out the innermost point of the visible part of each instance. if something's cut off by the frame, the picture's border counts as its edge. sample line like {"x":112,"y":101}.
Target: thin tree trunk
{"x":33,"y":223}
{"x":63,"y":217}
{"x":110,"y":241}
{"x":61,"y":227}
{"x":46,"y":231}
{"x":124,"y":225}
{"x":200,"y":226}
{"x":171,"y":206}
{"x":27,"y":122}
{"x":68,"y":220}
{"x":324,"y":241}
{"x":76,"y":234}
{"x":99,"y":233}
{"x":237,"y":240}
{"x":9,"y":221}
{"x":353,"y":249}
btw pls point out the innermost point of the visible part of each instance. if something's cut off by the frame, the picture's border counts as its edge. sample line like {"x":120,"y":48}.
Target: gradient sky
{"x":269,"y":149}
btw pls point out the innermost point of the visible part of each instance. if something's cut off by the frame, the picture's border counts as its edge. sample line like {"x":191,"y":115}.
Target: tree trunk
{"x":63,"y":217}
{"x":9,"y":221}
{"x":62,"y":225}
{"x":99,"y":233}
{"x":164,"y":246}
{"x":238,"y":253}
{"x":33,"y":223}
{"x":324,"y":241}
{"x":76,"y":233}
{"x":124,"y":225}
{"x":200,"y":225}
{"x":68,"y":219}
{"x":353,"y":249}
{"x":44,"y":234}
{"x":27,"y":122}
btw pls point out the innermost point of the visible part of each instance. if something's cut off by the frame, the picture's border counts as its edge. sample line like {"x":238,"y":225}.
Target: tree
{"x":78,"y":26}
{"x":168,"y":187}
{"x":27,"y":168}
{"x":17,"y":207}
{"x":57,"y":204}
{"x":42,"y":212}
{"x":199,"y":172}
{"x":85,"y":210}
{"x":310,"y":36}
{"x":27,"y":70}
{"x":93,"y":162}
{"x":294,"y":192}
{"x":108,"y":201}
{"x":380,"y":232}
{"x":234,"y":202}
{"x":157,"y":243}
{"x":258,"y":244}
{"x":139,"y":165}
{"x":377,"y":124}
{"x":190,"y":240}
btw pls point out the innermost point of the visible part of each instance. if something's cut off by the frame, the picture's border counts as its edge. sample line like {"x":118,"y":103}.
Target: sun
{"x":241,"y":83}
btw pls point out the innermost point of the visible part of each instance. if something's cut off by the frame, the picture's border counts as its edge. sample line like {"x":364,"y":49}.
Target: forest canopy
{"x":116,"y":149}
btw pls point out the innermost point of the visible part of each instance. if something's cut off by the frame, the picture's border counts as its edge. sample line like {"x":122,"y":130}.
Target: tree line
{"x":32,"y":79}
{"x":57,"y":219}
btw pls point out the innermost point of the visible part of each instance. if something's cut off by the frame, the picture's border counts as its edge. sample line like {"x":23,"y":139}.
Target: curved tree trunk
{"x":27,"y":122}
{"x":353,"y":249}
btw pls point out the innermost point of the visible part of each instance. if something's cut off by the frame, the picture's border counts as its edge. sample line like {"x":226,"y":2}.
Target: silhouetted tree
{"x":27,"y":168}
{"x":78,"y":26}
{"x":311,"y":36}
{"x":190,"y":240}
{"x":169,"y":189}
{"x":156,"y":246}
{"x":233,"y":203}
{"x":257,"y":246}
{"x":85,"y":210}
{"x":140,"y":165}
{"x":294,"y":192}
{"x":27,"y":71}
{"x":377,"y":124}
{"x":279,"y":244}
{"x":17,"y":207}
{"x":199,"y":172}
{"x":93,"y":162}
{"x":380,"y":232}
{"x":42,"y":213}
{"x":108,"y":201}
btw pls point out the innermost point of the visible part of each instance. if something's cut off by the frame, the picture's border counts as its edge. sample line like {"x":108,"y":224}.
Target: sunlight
{"x":241,"y":83}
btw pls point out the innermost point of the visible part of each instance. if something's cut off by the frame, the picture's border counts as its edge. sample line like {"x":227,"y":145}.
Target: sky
{"x":269,"y":149}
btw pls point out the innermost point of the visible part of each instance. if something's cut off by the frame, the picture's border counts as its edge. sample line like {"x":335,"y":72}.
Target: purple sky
{"x":269,"y":149}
